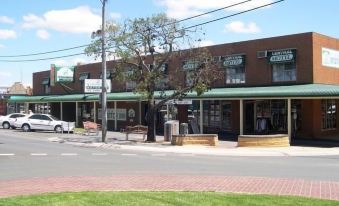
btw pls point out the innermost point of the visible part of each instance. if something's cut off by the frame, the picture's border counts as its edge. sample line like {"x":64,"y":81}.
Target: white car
{"x":8,"y":121}
{"x":43,"y":122}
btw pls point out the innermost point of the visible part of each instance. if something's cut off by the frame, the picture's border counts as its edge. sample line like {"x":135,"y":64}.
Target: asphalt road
{"x":30,"y":155}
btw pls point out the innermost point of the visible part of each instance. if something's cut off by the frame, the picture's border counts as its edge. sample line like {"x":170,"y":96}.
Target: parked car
{"x":43,"y":122}
{"x":8,"y":121}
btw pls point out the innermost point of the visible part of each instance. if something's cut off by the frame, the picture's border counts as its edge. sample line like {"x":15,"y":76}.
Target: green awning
{"x":293,"y":91}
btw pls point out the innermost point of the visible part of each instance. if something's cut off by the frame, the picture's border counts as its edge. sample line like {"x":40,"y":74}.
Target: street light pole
{"x":103,"y":70}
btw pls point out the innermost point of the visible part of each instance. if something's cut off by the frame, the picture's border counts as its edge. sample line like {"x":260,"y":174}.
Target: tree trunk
{"x":151,"y":137}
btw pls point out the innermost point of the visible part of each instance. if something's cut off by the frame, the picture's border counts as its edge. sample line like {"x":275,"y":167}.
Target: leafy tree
{"x":145,"y":48}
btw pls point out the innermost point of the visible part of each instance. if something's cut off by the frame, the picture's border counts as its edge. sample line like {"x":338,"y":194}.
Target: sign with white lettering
{"x":95,"y":85}
{"x":281,"y":56}
{"x":190,"y":65}
{"x":330,"y":58}
{"x":64,"y":74}
{"x":234,"y":60}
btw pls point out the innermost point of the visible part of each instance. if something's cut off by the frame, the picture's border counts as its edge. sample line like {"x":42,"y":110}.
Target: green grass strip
{"x":159,"y":198}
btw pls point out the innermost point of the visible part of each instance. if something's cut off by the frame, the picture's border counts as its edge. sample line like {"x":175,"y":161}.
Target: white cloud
{"x":60,"y":62}
{"x":186,"y":8}
{"x":42,"y":34}
{"x":7,"y":34}
{"x":6,"y":20}
{"x":77,"y":20}
{"x":241,"y":27}
{"x":114,"y":15}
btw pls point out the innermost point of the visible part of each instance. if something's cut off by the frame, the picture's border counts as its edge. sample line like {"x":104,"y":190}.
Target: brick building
{"x":287,"y":84}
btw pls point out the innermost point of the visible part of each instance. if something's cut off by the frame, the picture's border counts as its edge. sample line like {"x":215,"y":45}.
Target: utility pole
{"x":103,"y":70}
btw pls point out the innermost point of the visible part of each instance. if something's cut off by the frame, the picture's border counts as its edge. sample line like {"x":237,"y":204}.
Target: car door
{"x":12,"y":118}
{"x":35,"y":121}
{"x":47,"y":122}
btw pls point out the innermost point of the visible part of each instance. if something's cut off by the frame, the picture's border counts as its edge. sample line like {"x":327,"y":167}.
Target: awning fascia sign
{"x":282,"y":56}
{"x":234,"y":61}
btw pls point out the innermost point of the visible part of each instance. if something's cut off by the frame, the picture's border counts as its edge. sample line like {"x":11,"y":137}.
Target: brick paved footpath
{"x":232,"y":184}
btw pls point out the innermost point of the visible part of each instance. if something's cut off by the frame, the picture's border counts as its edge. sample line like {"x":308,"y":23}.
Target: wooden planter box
{"x":277,"y":140}
{"x":200,"y":139}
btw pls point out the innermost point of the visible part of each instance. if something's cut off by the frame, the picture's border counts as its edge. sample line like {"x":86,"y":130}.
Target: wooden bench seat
{"x":137,"y":129}
{"x":91,"y":127}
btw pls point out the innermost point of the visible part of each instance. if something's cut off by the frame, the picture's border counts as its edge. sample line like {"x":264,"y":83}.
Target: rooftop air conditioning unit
{"x":261,"y":54}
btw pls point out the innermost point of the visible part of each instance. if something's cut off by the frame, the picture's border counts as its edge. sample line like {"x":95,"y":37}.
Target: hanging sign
{"x":64,"y":74}
{"x":95,"y":85}
{"x":234,"y":60}
{"x":281,"y":56}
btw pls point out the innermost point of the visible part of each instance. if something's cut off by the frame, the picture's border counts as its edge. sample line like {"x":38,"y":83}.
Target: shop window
{"x":235,"y":68}
{"x":120,"y":114}
{"x":189,"y":78}
{"x":227,"y":116}
{"x":82,"y":78}
{"x":212,"y":113}
{"x":284,"y":72}
{"x":46,"y":85}
{"x":235,"y":75}
{"x":329,"y":118}
{"x":108,"y":75}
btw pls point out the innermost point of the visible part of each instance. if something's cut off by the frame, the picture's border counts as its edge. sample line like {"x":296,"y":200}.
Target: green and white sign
{"x":64,"y":74}
{"x":282,"y":56}
{"x":234,"y":60}
{"x":330,"y":58}
{"x":190,"y":65}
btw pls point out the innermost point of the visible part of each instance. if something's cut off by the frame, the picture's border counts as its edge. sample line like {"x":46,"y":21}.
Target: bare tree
{"x":145,"y":48}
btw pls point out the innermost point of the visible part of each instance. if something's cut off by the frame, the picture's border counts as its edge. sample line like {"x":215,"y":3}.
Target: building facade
{"x":287,"y":84}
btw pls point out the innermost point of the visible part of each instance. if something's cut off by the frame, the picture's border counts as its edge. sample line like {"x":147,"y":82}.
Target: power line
{"x":41,"y":59}
{"x":76,"y":47}
{"x":225,"y":17}
{"x":207,"y":22}
{"x":209,"y":12}
{"x":48,"y":52}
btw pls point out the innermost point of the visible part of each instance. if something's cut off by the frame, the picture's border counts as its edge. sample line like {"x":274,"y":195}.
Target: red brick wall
{"x":323,"y":74}
{"x":258,"y":71}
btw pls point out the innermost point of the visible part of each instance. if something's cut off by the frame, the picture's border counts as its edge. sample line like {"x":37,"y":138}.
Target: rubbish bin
{"x":183,"y":128}
{"x":171,"y":128}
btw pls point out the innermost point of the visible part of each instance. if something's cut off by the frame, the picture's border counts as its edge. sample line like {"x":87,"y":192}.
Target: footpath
{"x":224,"y":148}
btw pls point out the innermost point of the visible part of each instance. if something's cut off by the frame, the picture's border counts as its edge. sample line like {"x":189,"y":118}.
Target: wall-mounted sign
{"x":64,"y":74}
{"x":281,"y":56}
{"x":190,"y":65}
{"x":330,"y":57}
{"x":131,"y":113}
{"x":94,"y":85}
{"x":234,"y":60}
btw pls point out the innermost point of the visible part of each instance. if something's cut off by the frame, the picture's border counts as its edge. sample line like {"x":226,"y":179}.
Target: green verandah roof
{"x":295,"y":91}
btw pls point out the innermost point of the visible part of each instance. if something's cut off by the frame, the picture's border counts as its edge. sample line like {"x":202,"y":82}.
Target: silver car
{"x":8,"y":121}
{"x":43,"y":122}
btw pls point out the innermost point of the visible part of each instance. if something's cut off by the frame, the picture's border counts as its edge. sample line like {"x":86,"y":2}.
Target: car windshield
{"x":54,"y":118}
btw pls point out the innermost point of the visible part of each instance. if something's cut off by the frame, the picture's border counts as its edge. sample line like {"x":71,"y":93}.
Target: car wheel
{"x":26,"y":128}
{"x":58,"y":129}
{"x":6,"y":125}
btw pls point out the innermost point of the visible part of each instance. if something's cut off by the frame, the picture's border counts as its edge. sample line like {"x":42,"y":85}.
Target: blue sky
{"x":33,"y":26}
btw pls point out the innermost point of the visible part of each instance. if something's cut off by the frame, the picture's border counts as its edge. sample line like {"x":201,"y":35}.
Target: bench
{"x":91,"y":127}
{"x":137,"y":129}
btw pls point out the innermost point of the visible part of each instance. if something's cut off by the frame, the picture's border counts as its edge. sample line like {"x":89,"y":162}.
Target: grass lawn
{"x":158,"y":198}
